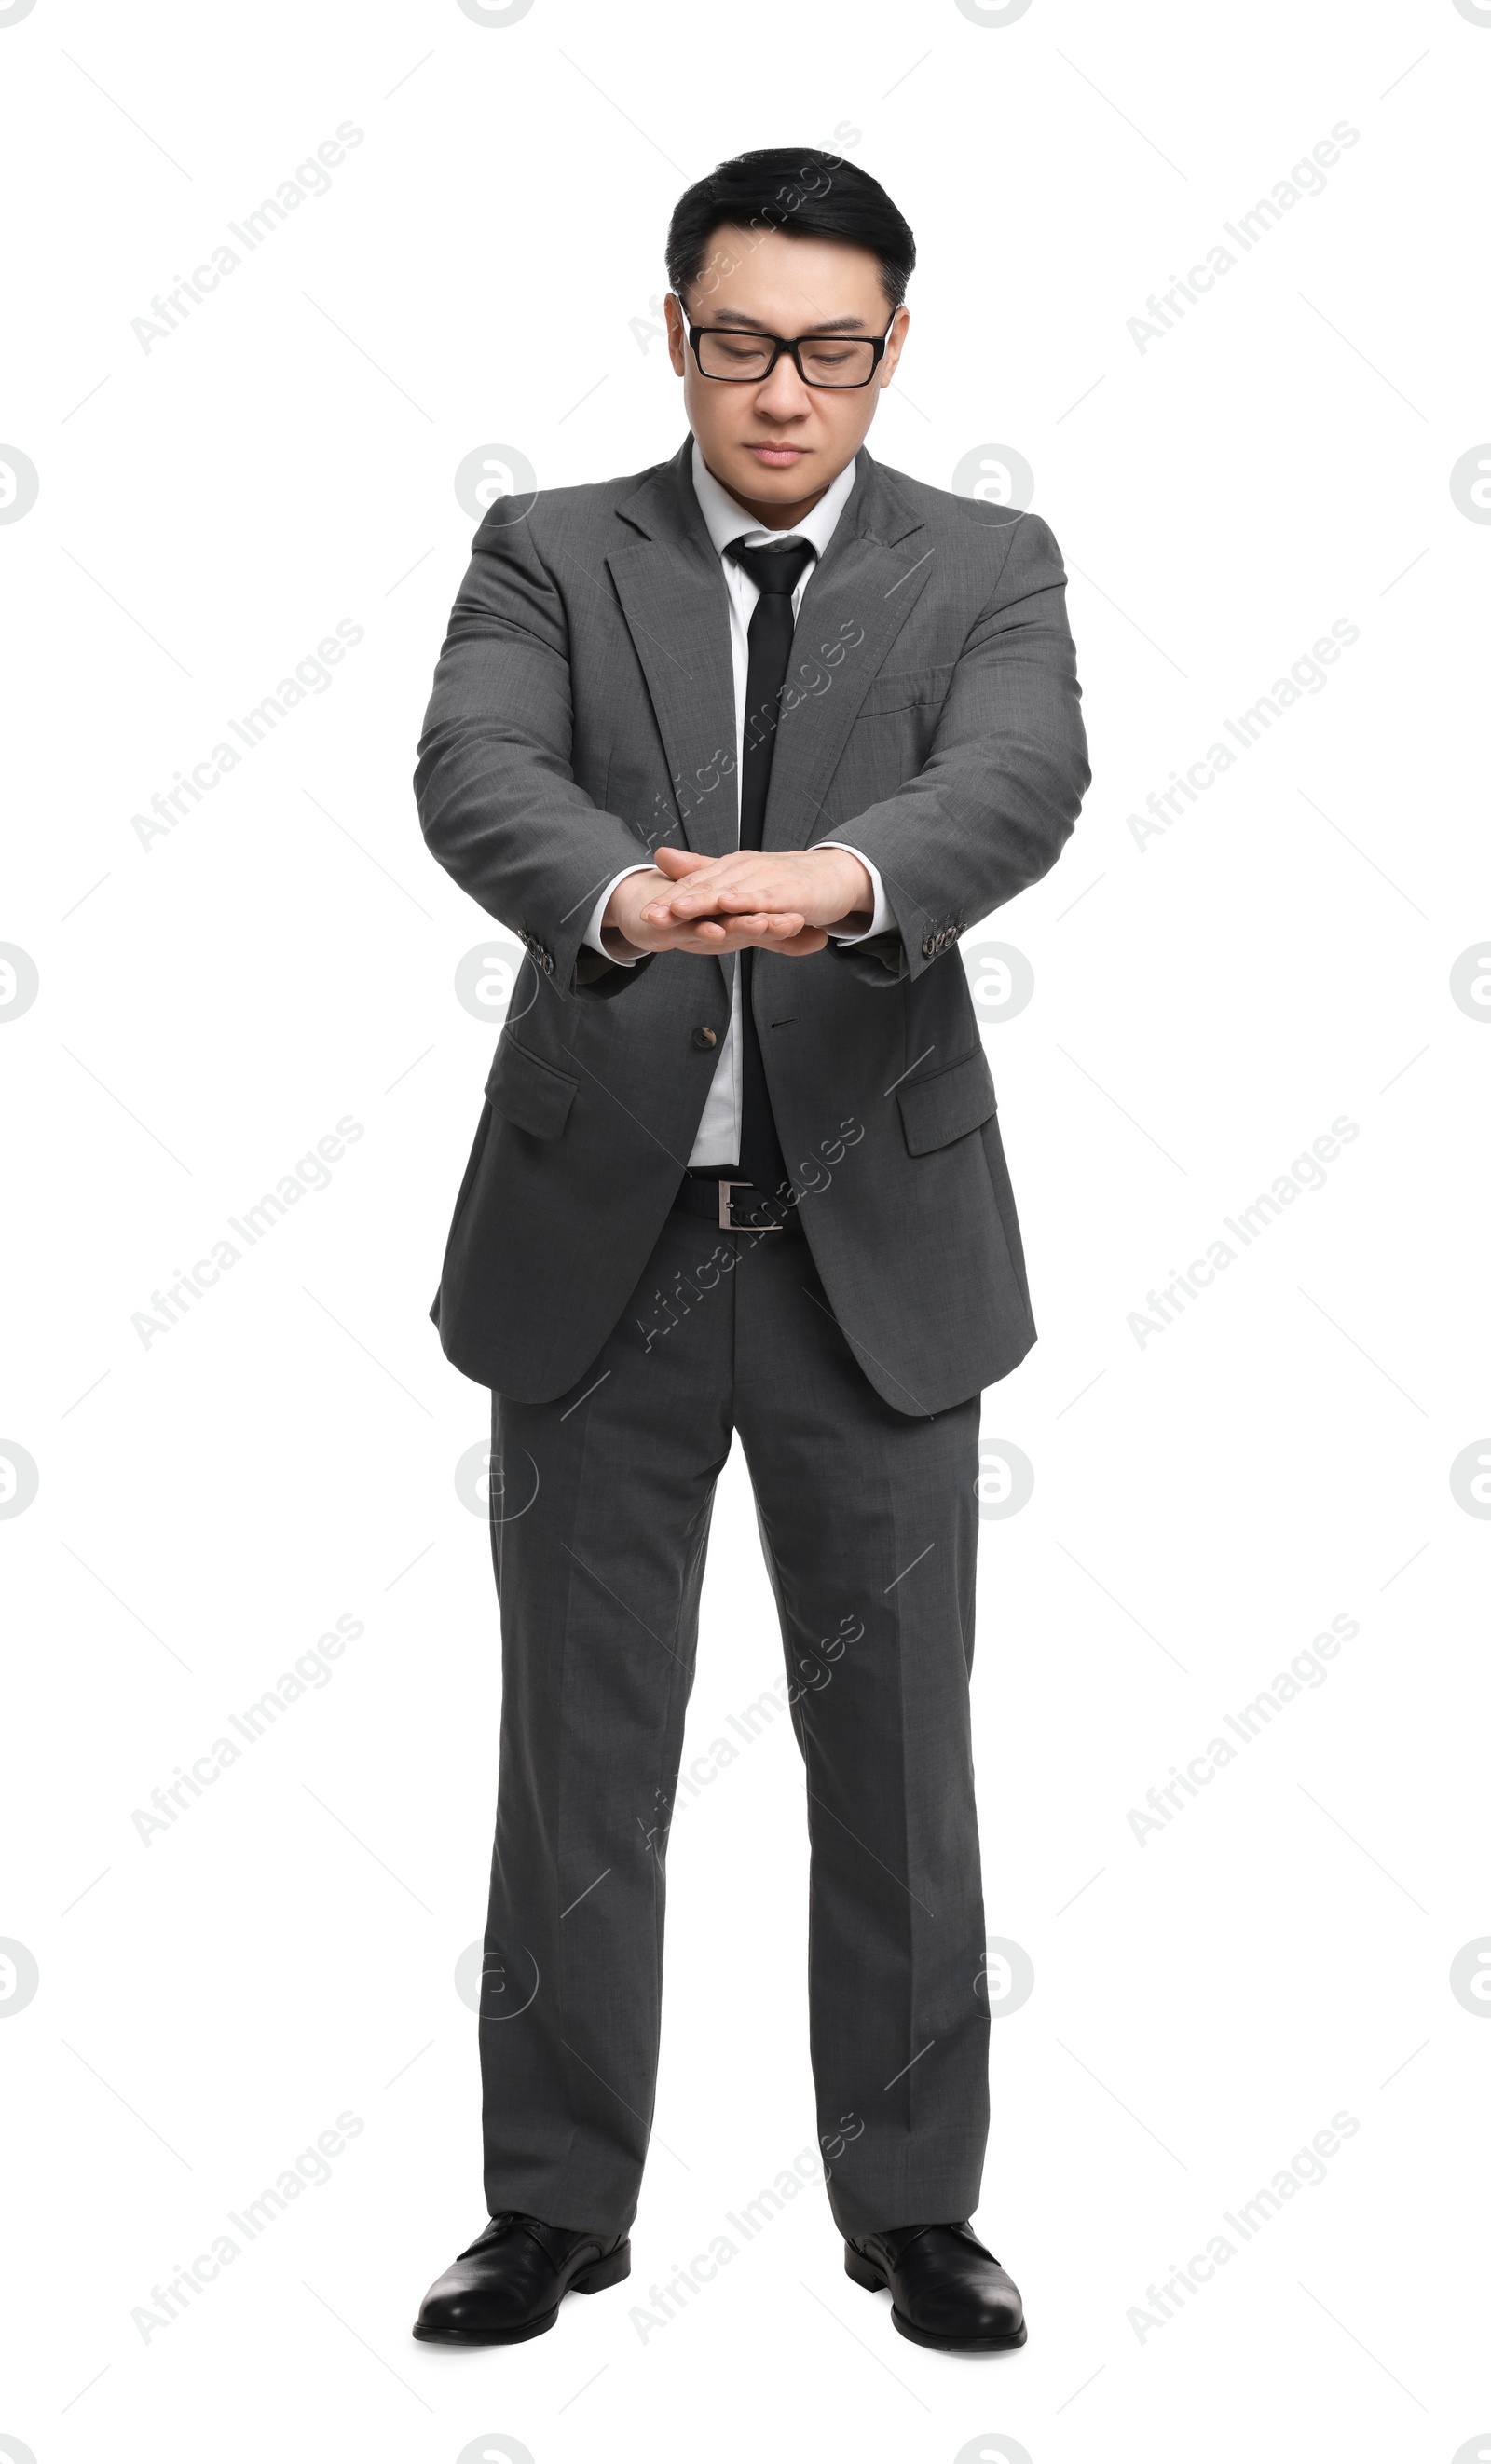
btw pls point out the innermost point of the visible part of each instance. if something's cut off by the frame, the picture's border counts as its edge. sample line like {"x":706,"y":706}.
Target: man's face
{"x":776,"y":444}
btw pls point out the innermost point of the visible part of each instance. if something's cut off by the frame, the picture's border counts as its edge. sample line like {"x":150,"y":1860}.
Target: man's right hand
{"x":626,"y":935}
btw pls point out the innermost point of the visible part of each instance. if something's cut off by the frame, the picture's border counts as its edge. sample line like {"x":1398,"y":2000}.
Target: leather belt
{"x":733,"y":1205}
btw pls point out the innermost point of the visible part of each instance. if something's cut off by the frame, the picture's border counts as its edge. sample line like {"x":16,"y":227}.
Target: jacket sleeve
{"x":996,"y":800}
{"x":496,"y":798}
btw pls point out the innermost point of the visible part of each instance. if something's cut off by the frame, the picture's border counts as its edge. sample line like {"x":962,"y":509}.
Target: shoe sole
{"x":864,"y":2270}
{"x":596,"y":2279}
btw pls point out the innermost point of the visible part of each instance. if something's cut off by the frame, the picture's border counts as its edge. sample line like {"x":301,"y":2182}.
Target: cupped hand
{"x":821,"y":886}
{"x":638,"y":918}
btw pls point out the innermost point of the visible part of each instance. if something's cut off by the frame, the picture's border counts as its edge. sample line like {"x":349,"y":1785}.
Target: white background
{"x":1204,"y":1007}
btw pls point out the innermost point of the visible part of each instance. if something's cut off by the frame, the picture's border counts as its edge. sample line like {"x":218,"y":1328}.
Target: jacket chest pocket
{"x":923,"y":690}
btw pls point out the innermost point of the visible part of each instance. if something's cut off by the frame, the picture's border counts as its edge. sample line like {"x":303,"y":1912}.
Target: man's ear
{"x":899,"y":327}
{"x":678,"y":331}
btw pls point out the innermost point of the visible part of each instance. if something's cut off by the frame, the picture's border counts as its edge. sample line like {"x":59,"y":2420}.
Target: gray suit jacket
{"x":583,"y":712}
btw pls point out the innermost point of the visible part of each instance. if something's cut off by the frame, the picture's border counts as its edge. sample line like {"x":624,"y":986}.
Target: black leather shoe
{"x":945,"y":2288}
{"x":509,"y":2284}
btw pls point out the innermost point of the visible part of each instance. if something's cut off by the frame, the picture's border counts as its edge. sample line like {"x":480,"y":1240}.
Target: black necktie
{"x":776,"y":572}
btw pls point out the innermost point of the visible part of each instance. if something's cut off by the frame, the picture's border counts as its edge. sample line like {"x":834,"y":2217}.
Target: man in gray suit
{"x":739,"y":748}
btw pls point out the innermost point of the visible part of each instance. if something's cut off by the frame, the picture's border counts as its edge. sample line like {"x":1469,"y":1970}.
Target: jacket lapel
{"x":857,"y":601}
{"x":674,"y":599}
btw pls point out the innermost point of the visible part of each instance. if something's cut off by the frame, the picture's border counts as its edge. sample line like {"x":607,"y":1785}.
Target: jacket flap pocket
{"x":527,"y":1091}
{"x":935,"y":1111}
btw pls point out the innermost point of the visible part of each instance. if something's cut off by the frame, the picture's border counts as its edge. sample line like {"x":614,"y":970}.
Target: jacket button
{"x":704,"y":1039}
{"x":929,"y":948}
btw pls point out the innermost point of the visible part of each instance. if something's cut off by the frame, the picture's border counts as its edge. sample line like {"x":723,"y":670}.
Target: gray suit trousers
{"x":601,"y":1503}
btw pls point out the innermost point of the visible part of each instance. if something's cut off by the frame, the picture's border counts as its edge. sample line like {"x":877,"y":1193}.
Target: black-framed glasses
{"x":732,"y":355}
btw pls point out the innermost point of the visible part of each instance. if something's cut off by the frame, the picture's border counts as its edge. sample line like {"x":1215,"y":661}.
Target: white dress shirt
{"x":719,"y":1139}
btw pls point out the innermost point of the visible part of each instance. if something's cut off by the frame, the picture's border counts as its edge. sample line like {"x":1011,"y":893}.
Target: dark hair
{"x":796,"y":190}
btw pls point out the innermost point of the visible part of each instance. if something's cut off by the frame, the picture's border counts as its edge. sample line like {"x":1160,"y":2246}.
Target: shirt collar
{"x":726,"y":521}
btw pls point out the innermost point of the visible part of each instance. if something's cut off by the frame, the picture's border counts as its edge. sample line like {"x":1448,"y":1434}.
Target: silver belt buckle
{"x":727,"y":1222}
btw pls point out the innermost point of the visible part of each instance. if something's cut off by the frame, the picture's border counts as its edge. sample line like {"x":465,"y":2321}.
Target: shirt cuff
{"x":593,"y":931}
{"x":883,"y":919}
